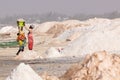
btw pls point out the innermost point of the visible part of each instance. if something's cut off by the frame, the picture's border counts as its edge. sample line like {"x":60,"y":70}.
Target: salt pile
{"x":95,"y":24}
{"x":7,"y":29}
{"x":71,"y":32}
{"x":24,"y":72}
{"x":98,"y":66}
{"x":57,"y":29}
{"x":99,"y":37}
{"x":74,"y":23}
{"x":97,"y":21}
{"x":52,"y":52}
{"x":8,"y":32}
{"x":66,"y":25}
{"x":44,"y":27}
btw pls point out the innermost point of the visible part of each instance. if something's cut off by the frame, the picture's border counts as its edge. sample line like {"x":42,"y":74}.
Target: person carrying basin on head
{"x":21,"y":39}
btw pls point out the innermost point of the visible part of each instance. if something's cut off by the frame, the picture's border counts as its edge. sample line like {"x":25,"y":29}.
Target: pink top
{"x":30,"y":37}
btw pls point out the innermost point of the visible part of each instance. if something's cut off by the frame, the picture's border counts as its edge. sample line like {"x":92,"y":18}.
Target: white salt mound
{"x":70,"y":32}
{"x":105,"y":36}
{"x":52,"y":52}
{"x":44,"y":27}
{"x":7,"y":29}
{"x":24,"y":72}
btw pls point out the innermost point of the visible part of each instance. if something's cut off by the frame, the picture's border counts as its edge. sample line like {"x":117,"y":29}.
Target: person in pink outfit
{"x":30,"y":37}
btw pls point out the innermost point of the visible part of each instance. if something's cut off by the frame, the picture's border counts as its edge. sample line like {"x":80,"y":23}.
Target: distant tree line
{"x":111,"y":15}
{"x":53,"y":16}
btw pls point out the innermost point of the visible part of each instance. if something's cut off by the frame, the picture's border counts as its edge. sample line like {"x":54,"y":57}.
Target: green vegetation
{"x":8,"y":44}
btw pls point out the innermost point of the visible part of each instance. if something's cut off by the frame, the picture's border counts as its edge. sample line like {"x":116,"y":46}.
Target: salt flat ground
{"x":53,"y":66}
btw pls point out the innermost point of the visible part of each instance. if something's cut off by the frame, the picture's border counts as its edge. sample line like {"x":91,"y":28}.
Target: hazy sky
{"x":70,"y":7}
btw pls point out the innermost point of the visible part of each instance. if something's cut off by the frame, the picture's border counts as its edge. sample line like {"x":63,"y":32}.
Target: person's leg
{"x":18,"y":52}
{"x":22,"y":48}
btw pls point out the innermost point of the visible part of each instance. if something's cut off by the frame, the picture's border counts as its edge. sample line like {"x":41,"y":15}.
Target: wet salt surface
{"x":53,"y":66}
